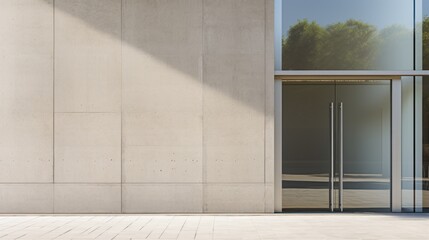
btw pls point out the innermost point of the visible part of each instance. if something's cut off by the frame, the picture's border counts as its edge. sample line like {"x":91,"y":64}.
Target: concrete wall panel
{"x":237,"y":198}
{"x":162,"y":128}
{"x":26,"y":91}
{"x":234,"y":27}
{"x":159,"y":106}
{"x":176,"y":85}
{"x":269,"y":105}
{"x":158,"y":164}
{"x":26,"y":198}
{"x":269,"y":92}
{"x":87,"y":198}
{"x":163,"y":27}
{"x":162,"y":198}
{"x":87,"y":147}
{"x":269,"y":197}
{"x":88,"y":56}
{"x":231,"y":164}
{"x":234,"y":90}
{"x":162,"y":91}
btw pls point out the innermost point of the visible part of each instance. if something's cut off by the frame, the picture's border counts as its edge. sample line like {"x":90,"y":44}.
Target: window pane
{"x":422,"y":106}
{"x":347,"y":34}
{"x":422,"y":35}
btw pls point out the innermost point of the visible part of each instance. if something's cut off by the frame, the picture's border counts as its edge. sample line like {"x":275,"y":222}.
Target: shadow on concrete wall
{"x":99,"y":16}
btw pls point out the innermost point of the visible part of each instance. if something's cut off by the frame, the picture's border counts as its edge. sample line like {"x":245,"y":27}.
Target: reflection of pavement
{"x":312,"y":191}
{"x":360,"y":191}
{"x":319,"y":198}
{"x":325,"y":177}
{"x":426,"y":199}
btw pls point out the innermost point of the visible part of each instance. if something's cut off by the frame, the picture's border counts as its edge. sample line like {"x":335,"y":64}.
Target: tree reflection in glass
{"x":349,"y":45}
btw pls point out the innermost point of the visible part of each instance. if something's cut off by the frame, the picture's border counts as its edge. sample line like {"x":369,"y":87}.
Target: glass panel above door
{"x":347,"y":35}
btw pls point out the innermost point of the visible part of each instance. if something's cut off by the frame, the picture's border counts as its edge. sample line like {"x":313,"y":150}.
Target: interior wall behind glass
{"x":425,"y":130}
{"x":418,"y":143}
{"x":407,"y":144}
{"x":347,"y":34}
{"x":422,"y":164}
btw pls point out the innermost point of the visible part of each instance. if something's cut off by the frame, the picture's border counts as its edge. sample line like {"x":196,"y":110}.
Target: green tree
{"x":425,"y":56}
{"x":302,"y":48}
{"x":425,"y":43}
{"x":394,"y":50}
{"x":349,"y":45}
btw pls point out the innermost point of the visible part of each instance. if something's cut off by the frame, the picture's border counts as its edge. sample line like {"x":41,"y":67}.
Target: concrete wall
{"x":136,"y":106}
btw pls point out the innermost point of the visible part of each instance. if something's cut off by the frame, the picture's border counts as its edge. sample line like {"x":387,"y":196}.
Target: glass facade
{"x":347,"y":35}
{"x":336,"y":145}
{"x":422,"y":106}
{"x":425,"y":130}
{"x":368,"y":35}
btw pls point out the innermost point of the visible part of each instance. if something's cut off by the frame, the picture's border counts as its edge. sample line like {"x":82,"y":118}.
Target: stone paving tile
{"x":221,"y":227}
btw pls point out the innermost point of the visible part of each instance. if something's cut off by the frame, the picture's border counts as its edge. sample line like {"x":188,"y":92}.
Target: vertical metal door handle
{"x":331,"y":174}
{"x":341,"y":153}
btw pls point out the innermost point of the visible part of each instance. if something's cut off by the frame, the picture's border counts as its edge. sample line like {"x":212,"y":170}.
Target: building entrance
{"x":336,"y":145}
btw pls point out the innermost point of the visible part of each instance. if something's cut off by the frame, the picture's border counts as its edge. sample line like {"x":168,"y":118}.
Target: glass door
{"x":306,"y":145}
{"x":336,"y":145}
{"x":363,"y":145}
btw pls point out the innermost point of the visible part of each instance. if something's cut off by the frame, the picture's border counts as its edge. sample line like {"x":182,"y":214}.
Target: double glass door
{"x":336,"y":145}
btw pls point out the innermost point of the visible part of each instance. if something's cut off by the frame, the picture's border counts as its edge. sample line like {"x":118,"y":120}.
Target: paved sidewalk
{"x":280,"y":226}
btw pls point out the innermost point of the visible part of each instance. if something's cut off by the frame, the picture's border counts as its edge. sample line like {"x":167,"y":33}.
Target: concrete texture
{"x":26,"y":198}
{"x":137,"y":105}
{"x":269,"y":107}
{"x":203,"y":227}
{"x":234,"y":101}
{"x":162,"y":89}
{"x":87,"y":148}
{"x":88,"y":56}
{"x":26,"y":99}
{"x":175,"y":164}
{"x":234,"y":198}
{"x":162,"y":198}
{"x":87,"y":198}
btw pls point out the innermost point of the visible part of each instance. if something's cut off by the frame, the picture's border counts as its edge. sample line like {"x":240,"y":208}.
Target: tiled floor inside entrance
{"x":280,"y":226}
